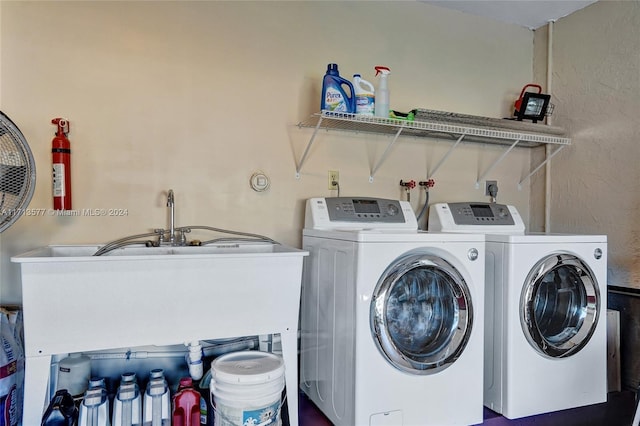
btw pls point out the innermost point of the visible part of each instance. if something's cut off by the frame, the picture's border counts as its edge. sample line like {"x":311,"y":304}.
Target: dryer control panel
{"x":487,"y":218}
{"x":359,"y":213}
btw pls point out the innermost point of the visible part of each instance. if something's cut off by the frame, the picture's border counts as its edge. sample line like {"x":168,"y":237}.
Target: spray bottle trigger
{"x":380,"y":69}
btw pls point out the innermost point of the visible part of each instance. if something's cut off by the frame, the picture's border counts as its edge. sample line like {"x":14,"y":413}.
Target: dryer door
{"x":421,"y":313}
{"x":559,"y":305}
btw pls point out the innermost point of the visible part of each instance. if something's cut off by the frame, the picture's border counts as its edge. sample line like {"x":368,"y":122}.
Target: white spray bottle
{"x":382,"y":94}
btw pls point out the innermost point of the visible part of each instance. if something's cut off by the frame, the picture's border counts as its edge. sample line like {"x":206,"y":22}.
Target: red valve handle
{"x":408,"y":185}
{"x":429,"y":183}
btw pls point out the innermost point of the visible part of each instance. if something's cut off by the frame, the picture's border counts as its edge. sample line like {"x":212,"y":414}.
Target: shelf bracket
{"x":549,"y":157}
{"x":495,"y":163}
{"x":306,"y":150}
{"x":446,"y":156}
{"x":385,"y":154}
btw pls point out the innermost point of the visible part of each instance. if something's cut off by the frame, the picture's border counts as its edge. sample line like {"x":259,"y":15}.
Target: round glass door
{"x":559,"y":305}
{"x":421,"y":314}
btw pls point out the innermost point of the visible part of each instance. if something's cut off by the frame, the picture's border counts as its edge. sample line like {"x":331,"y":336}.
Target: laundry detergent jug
{"x":61,"y":411}
{"x":365,"y":96}
{"x":127,"y":404}
{"x":186,"y":404}
{"x":337,"y":92}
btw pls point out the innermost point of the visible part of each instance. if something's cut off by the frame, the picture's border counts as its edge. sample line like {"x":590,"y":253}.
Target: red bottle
{"x":186,"y":404}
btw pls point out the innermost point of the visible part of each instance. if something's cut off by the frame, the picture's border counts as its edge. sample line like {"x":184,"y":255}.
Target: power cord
{"x":493,"y":192}
{"x":337,"y":185}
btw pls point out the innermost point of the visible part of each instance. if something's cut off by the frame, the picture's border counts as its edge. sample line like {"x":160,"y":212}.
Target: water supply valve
{"x":430,"y":183}
{"x":408,"y":186}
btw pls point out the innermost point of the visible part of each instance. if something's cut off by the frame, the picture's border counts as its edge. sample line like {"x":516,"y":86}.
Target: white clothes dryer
{"x":391,"y":317}
{"x":545,"y":312}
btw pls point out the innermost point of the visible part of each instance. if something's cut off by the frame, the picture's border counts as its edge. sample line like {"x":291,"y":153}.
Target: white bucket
{"x":246,"y":388}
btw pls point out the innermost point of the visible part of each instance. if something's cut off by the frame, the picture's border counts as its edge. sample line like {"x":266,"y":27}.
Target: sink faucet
{"x":172,"y":229}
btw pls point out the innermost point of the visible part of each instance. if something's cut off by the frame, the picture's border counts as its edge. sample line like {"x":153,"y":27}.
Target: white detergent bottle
{"x":382,"y":95}
{"x":365,"y":96}
{"x":157,"y":401}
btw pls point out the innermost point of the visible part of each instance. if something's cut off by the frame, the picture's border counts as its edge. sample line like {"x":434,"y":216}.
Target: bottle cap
{"x":157,"y":373}
{"x":128,"y":377}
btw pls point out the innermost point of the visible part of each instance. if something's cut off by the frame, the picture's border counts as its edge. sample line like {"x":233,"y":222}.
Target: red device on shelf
{"x":518,"y":103}
{"x":532,"y":106}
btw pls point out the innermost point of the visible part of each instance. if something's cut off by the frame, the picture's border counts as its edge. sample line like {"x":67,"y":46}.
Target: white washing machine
{"x":545,"y":311}
{"x":391,"y":317}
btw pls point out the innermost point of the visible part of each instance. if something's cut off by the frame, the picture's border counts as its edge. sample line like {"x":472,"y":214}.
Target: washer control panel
{"x":359,"y":213}
{"x":475,"y":217}
{"x":480,"y":214}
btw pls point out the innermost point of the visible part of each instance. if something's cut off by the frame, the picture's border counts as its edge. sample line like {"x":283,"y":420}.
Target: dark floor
{"x":617,"y":411}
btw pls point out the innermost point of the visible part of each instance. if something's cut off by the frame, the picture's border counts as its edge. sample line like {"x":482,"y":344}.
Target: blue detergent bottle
{"x":337,"y":92}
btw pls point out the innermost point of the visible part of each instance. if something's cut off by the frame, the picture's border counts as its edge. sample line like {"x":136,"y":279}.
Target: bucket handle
{"x":265,"y":423}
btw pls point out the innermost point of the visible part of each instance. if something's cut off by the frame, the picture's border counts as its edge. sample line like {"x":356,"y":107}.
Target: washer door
{"x":559,"y":305}
{"x":421,"y":313}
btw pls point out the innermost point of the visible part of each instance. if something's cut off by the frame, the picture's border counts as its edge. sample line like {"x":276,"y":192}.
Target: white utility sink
{"x":139,"y":251}
{"x":135,"y":296}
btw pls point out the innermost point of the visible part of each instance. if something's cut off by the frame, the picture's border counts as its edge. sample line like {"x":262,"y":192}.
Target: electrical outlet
{"x":489,"y":183}
{"x":334,"y":179}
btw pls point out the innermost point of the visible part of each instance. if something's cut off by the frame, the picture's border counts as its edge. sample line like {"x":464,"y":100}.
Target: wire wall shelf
{"x":450,"y":126}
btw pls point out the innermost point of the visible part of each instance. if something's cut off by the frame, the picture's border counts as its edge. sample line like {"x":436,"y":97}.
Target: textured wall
{"x":595,"y":182}
{"x":596,"y":87}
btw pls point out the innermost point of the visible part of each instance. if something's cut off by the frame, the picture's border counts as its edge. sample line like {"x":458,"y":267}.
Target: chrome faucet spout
{"x":172,"y":227}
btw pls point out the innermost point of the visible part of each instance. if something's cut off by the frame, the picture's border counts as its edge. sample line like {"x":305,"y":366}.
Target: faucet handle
{"x":160,"y":233}
{"x":183,"y":237}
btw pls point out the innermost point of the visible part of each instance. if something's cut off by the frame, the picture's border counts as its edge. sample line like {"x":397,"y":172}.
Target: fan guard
{"x":17,"y":173}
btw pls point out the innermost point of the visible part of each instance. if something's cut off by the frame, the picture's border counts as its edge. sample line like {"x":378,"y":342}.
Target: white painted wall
{"x":196,"y":96}
{"x":596,"y":85}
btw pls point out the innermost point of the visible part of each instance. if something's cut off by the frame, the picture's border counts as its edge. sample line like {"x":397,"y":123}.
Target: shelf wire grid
{"x":367,"y":124}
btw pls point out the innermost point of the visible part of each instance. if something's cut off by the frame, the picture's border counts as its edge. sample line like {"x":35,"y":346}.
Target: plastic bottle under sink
{"x":127,"y":405}
{"x":74,"y":373}
{"x":186,"y":404}
{"x":157,"y":401}
{"x":61,"y":411}
{"x":94,"y":410}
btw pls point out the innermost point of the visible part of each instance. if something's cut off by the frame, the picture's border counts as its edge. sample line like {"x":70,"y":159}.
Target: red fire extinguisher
{"x":61,"y":153}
